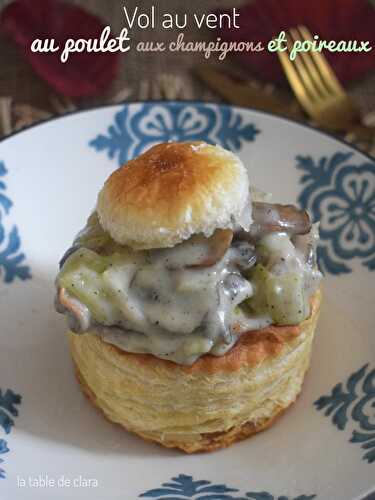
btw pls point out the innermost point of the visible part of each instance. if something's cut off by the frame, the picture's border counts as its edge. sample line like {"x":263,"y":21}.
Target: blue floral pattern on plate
{"x":131,"y":134}
{"x":8,"y":402}
{"x":341,"y":195}
{"x":184,"y":486}
{"x":10,"y":242}
{"x":356,"y":401}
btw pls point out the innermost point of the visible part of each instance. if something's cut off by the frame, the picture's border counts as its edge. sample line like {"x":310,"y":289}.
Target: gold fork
{"x":318,"y":90}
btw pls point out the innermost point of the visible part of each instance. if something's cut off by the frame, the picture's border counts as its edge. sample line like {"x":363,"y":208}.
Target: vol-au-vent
{"x":191,"y":301}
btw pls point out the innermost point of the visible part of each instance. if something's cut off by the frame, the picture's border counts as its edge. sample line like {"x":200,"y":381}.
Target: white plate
{"x":60,"y":447}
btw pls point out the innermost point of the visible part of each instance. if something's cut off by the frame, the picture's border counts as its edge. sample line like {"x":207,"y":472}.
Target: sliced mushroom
{"x":216,"y":320}
{"x":198,"y":251}
{"x":67,"y":254}
{"x":214,"y":248}
{"x":273,"y":217}
{"x":237,"y":288}
{"x":307,"y":243}
{"x":78,"y":313}
{"x":244,"y":254}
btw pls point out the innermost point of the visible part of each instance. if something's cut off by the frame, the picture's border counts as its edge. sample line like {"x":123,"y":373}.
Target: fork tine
{"x":310,"y":66}
{"x":306,"y":76}
{"x":295,"y":81}
{"x":327,"y":74}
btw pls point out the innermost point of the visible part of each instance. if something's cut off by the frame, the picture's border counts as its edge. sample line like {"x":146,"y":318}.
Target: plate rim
{"x":369,"y":493}
{"x":269,"y":114}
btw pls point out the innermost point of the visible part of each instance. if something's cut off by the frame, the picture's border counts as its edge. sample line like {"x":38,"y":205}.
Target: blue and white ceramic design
{"x":11,"y":259}
{"x":59,"y":447}
{"x":185,"y":487}
{"x":354,"y":400}
{"x":8,"y":410}
{"x":340,"y":193}
{"x":131,"y":133}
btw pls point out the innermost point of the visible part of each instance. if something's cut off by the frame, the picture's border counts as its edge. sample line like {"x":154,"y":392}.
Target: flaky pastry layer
{"x":171,"y":192}
{"x":209,"y":405}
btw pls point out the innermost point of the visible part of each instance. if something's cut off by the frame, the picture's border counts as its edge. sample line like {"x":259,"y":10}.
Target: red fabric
{"x":336,"y":20}
{"x":84,"y":74}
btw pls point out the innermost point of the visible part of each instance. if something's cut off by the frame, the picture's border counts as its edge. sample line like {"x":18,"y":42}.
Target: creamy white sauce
{"x":157,"y":302}
{"x":176,"y":312}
